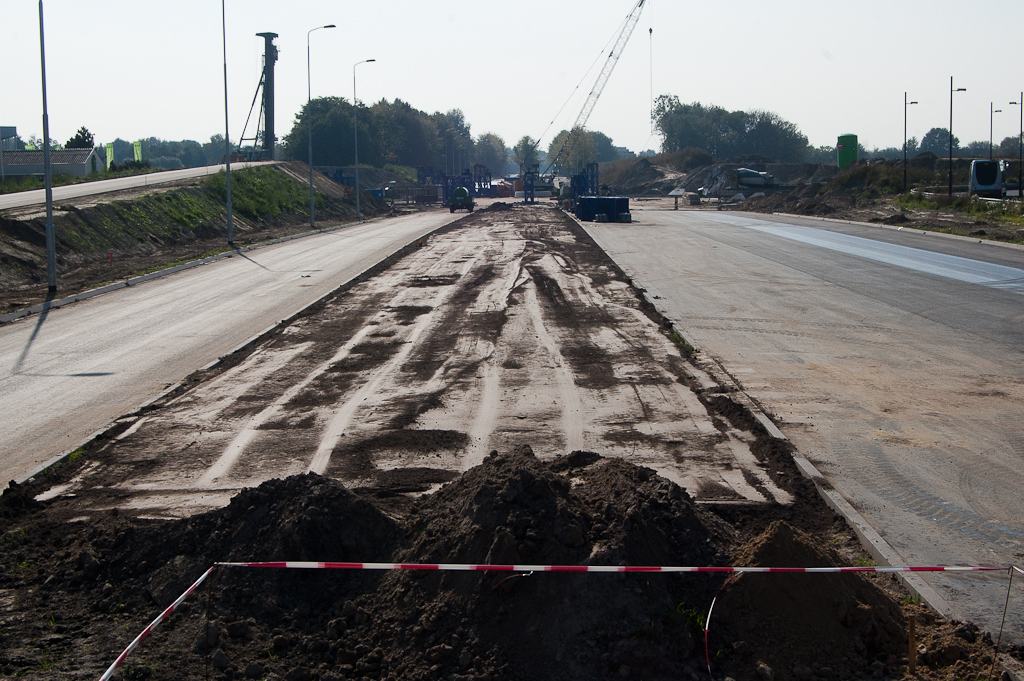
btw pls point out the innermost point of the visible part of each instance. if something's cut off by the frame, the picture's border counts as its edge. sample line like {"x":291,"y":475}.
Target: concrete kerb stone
{"x":912,"y":230}
{"x":61,"y":458}
{"x":135,"y":281}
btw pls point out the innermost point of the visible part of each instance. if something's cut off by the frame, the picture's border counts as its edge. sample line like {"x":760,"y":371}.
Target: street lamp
{"x":951,"y":91}
{"x":309,"y":120}
{"x":355,"y":126}
{"x":905,"y":105}
{"x":51,"y":238}
{"x":991,"y":119}
{"x":227,"y":136}
{"x":1020,"y":146}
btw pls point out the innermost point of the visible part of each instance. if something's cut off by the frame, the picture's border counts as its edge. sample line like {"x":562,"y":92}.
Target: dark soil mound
{"x":15,"y":501}
{"x":514,"y":509}
{"x":784,"y":621}
{"x":78,"y":589}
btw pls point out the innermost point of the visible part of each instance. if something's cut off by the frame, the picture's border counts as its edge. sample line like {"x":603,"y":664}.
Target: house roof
{"x":57,"y":157}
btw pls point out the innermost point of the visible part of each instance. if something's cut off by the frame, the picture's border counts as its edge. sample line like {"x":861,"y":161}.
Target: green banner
{"x":138,"y":151}
{"x":110,"y":154}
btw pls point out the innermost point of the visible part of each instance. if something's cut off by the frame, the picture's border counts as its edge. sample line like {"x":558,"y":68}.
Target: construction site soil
{"x":76,"y":590}
{"x":94,"y":549}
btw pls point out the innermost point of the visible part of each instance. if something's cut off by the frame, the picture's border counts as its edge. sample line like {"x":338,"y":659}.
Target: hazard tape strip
{"x":153,"y":625}
{"x":470,"y":567}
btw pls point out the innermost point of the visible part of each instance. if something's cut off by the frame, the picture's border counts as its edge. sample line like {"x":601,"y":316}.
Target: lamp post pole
{"x":51,"y":239}
{"x":355,"y":127}
{"x":1020,"y":146}
{"x":951,"y":91}
{"x":991,"y":119}
{"x":905,"y":105}
{"x":309,"y":120}
{"x":227,"y":136}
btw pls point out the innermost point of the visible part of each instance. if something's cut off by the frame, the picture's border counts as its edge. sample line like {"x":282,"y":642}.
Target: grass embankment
{"x":183,"y":214}
{"x":113,"y":241}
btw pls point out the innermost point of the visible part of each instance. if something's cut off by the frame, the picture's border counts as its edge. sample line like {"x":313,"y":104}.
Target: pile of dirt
{"x":77,"y":589}
{"x":804,"y":614}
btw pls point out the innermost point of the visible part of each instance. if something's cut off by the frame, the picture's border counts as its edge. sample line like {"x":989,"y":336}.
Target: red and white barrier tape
{"x":153,"y":625}
{"x":470,"y":567}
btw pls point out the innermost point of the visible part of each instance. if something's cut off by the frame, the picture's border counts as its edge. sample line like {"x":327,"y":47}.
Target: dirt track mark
{"x":508,"y":329}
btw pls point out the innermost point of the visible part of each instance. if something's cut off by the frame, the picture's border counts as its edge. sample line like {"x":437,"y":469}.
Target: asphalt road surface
{"x":67,"y":373}
{"x":71,"y":191}
{"x":892,"y":360}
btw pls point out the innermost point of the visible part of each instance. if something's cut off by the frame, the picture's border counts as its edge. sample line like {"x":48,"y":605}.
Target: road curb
{"x":143,"y":278}
{"x":911,"y":230}
{"x":61,"y":458}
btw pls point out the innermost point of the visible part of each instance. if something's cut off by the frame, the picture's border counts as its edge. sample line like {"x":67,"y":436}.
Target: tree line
{"x":392,"y":133}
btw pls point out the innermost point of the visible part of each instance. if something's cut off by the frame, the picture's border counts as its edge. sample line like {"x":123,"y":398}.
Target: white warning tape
{"x":470,"y":567}
{"x":153,"y":625}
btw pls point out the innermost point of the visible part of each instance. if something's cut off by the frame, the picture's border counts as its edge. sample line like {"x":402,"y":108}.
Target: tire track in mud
{"x":339,"y":423}
{"x":569,"y":398}
{"x":508,"y":329}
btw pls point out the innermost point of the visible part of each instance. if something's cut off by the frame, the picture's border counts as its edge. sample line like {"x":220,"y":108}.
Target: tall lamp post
{"x":905,"y":105}
{"x":355,"y":126}
{"x":51,"y":238}
{"x":227,"y":136}
{"x":991,"y":119}
{"x":1020,"y":146}
{"x":309,"y":120}
{"x":951,"y":91}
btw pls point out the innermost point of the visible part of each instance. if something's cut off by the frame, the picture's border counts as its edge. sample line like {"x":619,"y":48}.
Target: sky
{"x":154,"y":68}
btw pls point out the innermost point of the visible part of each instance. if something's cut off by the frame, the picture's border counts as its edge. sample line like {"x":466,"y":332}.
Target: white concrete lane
{"x":894,"y":361}
{"x":67,"y":373}
{"x":71,"y":191}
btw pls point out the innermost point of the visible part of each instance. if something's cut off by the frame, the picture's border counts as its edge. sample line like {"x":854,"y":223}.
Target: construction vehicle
{"x":460,"y":198}
{"x":745,"y":177}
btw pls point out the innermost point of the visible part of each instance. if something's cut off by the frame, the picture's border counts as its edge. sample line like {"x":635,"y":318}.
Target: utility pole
{"x":51,"y":239}
{"x":905,"y":105}
{"x":951,"y":91}
{"x":227,"y":137}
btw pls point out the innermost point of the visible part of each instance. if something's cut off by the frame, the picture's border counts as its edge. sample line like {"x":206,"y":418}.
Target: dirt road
{"x":502,"y":330}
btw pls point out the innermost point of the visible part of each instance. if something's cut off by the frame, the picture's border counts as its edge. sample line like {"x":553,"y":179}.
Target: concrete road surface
{"x":67,"y":373}
{"x":71,"y":191}
{"x":893,"y":360}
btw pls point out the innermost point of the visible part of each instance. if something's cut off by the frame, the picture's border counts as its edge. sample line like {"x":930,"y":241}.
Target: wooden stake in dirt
{"x":912,"y":645}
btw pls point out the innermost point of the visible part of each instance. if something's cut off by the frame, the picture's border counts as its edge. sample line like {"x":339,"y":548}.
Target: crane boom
{"x":602,"y":80}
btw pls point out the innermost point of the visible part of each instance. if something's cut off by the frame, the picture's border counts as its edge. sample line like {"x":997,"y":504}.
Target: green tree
{"x":491,"y":152}
{"x":83,"y":139}
{"x":936,"y":141}
{"x":590,"y":147}
{"x":524,"y":153}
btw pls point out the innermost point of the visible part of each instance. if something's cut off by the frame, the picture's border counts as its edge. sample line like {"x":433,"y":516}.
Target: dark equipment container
{"x":603,"y":209}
